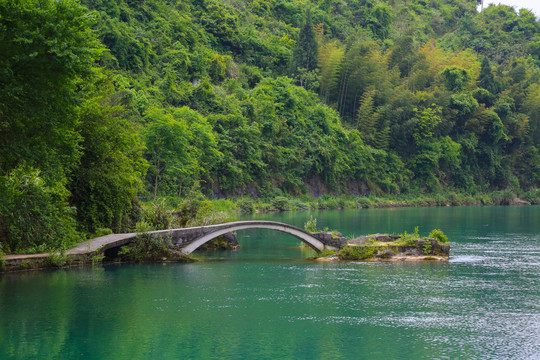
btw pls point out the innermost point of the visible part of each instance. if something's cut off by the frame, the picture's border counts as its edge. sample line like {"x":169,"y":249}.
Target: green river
{"x":266,"y":301}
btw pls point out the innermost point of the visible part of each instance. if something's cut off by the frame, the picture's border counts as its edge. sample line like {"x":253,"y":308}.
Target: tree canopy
{"x":104,"y":104}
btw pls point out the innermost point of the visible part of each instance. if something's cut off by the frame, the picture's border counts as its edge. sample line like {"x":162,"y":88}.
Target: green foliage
{"x":486,"y":80}
{"x":455,"y":78}
{"x":146,"y":247}
{"x":426,"y":248}
{"x":157,"y":215}
{"x":56,"y":260}
{"x":109,"y":175}
{"x":33,"y":212}
{"x":196,"y":210}
{"x":281,"y":203}
{"x":325,"y":253}
{"x":439,"y":236}
{"x":149,"y":99}
{"x":532,"y":196}
{"x":102,"y":232}
{"x":410,"y":239}
{"x":311,"y":225}
{"x":305,"y":51}
{"x":246,"y":205}
{"x":47,"y":49}
{"x":380,"y":20}
{"x":357,"y":252}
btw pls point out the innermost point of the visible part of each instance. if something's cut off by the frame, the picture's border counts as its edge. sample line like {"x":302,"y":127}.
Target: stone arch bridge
{"x":189,"y":239}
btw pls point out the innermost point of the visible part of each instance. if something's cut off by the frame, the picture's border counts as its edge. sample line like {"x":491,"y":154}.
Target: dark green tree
{"x":47,"y":56}
{"x":109,"y":175}
{"x":47,"y":48}
{"x":486,"y":80}
{"x":305,"y":51}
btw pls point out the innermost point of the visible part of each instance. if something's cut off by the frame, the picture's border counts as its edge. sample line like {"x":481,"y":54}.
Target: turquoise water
{"x":267,"y":302}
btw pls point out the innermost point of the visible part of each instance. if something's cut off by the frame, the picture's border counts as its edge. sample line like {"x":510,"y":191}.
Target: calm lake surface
{"x":267,"y":302}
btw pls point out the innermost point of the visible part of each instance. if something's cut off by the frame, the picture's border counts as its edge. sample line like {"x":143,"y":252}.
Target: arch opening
{"x":309,"y":240}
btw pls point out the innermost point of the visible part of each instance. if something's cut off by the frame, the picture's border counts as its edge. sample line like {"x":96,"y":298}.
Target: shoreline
{"x":15,"y":262}
{"x":249,"y":205}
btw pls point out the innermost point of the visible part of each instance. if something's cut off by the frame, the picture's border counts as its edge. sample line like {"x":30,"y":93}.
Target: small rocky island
{"x":384,"y":247}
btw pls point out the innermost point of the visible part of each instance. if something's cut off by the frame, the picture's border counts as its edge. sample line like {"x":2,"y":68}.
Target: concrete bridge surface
{"x":189,"y":239}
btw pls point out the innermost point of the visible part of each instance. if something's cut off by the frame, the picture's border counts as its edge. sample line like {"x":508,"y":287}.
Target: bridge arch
{"x":301,"y":234}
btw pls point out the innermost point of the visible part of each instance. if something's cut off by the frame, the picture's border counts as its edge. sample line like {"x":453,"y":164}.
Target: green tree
{"x":486,"y":80}
{"x":380,"y":21}
{"x":455,"y":78}
{"x":48,"y":52}
{"x":181,"y":149}
{"x":47,"y":48}
{"x":330,"y":57}
{"x":305,"y":51}
{"x":34,"y":213}
{"x":167,"y":142}
{"x":111,"y":170}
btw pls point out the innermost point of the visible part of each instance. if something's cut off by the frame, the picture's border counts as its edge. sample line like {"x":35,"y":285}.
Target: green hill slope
{"x":154,"y":98}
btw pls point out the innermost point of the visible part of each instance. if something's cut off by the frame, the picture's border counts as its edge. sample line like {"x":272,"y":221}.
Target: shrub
{"x":298,"y":205}
{"x":246,"y":205}
{"x":146,"y":247}
{"x":33,"y":212}
{"x":438,"y":235}
{"x":324,"y":253}
{"x":102,"y":232}
{"x":281,"y":203}
{"x":357,"y":252}
{"x":363,"y":202}
{"x":311,"y":225}
{"x":503,"y":197}
{"x":410,"y":239}
{"x":532,"y":196}
{"x":158,"y":216}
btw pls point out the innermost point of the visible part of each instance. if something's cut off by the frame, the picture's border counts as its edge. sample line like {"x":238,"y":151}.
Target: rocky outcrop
{"x":375,"y":237}
{"x":332,"y":238}
{"x":384,"y":247}
{"x":518,"y":201}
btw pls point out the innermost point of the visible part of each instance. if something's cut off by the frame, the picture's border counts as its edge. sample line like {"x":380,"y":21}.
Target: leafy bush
{"x":410,"y":239}
{"x":246,"y":205}
{"x":296,"y":204}
{"x":357,"y":252}
{"x":146,"y":247}
{"x":324,"y":253}
{"x":281,"y":203}
{"x":158,"y":215}
{"x":363,"y":202}
{"x":102,"y":232}
{"x":56,"y":260}
{"x":504,"y":197}
{"x":311,"y":225}
{"x":33,"y":213}
{"x":438,"y":235}
{"x":532,"y":196}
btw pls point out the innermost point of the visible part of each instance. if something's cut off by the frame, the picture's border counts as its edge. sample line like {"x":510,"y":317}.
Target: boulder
{"x":331,"y":238}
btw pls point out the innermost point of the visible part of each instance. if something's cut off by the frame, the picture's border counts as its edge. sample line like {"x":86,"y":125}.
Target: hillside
{"x":106,"y":102}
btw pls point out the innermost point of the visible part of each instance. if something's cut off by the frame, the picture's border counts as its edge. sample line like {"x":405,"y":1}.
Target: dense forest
{"x":105,"y":104}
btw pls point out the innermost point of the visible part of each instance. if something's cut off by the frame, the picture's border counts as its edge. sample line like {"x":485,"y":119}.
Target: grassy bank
{"x":330,"y":202}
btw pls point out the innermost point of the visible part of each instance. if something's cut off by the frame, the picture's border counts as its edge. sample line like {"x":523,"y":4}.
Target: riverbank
{"x":339,"y":202}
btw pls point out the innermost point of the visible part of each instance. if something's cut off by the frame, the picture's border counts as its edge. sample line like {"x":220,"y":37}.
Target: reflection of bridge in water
{"x":189,"y":239}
